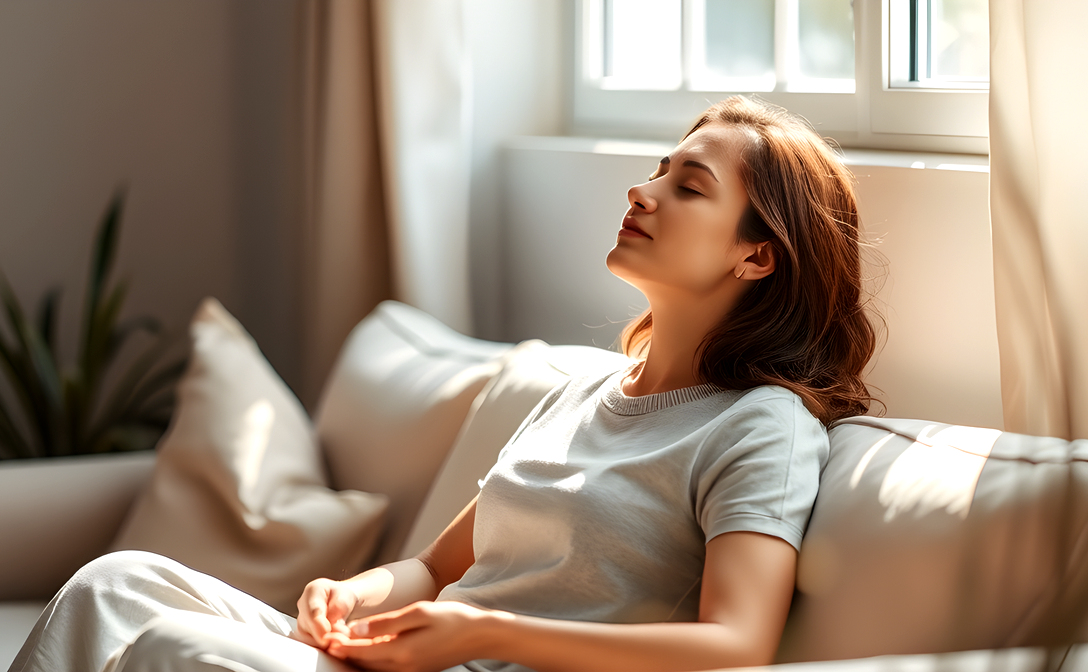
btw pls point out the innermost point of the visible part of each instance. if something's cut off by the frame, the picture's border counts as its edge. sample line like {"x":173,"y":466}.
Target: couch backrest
{"x":928,"y":537}
{"x":394,"y":404}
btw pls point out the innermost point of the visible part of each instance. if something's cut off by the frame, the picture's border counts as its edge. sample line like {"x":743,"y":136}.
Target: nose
{"x":639,"y":197}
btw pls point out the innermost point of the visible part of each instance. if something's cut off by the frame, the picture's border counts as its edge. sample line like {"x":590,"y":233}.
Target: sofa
{"x":930,"y":547}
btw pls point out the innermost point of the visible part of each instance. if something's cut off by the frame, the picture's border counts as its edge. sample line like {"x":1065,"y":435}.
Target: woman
{"x":645,"y":520}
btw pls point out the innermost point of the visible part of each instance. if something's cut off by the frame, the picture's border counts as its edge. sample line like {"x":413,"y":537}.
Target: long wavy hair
{"x":804,"y":326}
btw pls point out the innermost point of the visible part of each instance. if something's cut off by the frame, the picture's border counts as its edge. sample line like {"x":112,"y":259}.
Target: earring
{"x":740,"y":276}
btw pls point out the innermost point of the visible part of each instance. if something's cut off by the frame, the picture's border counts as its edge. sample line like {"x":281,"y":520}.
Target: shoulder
{"x":768,"y":402}
{"x":759,"y":468}
{"x":772,"y":418}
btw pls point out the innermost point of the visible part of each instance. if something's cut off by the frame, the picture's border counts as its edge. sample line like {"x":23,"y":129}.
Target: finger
{"x":371,"y":652}
{"x":341,"y":627}
{"x":301,"y":636}
{"x":392,"y":623}
{"x":314,"y":618}
{"x":335,"y":638}
{"x":338,"y":606}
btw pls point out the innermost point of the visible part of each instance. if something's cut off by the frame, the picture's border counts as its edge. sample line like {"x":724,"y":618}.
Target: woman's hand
{"x":420,"y":637}
{"x":324,"y":608}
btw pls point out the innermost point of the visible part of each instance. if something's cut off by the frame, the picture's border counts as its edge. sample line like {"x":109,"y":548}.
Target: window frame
{"x":876,"y":116}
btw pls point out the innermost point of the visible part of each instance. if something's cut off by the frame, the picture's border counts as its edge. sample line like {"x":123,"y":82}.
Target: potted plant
{"x":97,"y":423}
{"x":69,"y":411}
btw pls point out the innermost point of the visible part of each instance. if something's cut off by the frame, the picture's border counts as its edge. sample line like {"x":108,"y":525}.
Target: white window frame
{"x":877,"y":115}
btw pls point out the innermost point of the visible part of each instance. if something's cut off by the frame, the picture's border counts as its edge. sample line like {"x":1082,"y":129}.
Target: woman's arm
{"x":746,"y":590}
{"x":326,"y":605}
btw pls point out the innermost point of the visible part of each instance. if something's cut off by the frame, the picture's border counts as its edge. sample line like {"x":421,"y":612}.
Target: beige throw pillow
{"x":239,"y":488}
{"x":393,"y":405}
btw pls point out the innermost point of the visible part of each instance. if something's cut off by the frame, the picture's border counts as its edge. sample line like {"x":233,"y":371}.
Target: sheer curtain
{"x":1039,"y":212}
{"x":424,"y":79}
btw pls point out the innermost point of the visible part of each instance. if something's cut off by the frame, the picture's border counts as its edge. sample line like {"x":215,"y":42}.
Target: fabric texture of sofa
{"x":931,"y":546}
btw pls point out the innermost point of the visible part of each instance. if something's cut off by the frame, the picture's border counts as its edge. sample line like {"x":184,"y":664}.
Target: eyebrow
{"x":695,"y":164}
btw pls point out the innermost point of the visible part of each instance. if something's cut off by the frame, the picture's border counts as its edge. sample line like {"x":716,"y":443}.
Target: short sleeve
{"x":759,"y":469}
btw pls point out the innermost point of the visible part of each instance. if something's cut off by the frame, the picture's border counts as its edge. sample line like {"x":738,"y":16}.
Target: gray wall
{"x":189,"y":105}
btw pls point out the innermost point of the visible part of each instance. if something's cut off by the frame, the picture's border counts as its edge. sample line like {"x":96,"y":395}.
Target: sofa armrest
{"x":58,"y":514}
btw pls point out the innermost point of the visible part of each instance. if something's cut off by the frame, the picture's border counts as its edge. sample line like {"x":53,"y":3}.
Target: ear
{"x":758,"y":264}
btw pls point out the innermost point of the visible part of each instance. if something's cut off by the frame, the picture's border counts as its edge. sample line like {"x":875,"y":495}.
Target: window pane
{"x":642,"y":42}
{"x":959,"y":39}
{"x":740,"y":37}
{"x":826,"y":35}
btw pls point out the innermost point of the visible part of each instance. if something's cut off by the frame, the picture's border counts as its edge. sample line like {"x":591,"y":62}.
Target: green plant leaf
{"x":138,"y":384}
{"x":77,"y":404}
{"x":97,"y":355}
{"x":15,"y":366}
{"x":164,"y":380}
{"x":12,"y":443}
{"x":105,"y":251}
{"x":32,"y":372}
{"x":129,"y":437}
{"x":129,"y":327}
{"x":92,"y":338}
{"x":47,"y":318}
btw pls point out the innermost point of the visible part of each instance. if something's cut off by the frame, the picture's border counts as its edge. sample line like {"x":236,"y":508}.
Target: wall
{"x":565,"y":198}
{"x":519,"y":67}
{"x":186,"y":104}
{"x":193,"y":105}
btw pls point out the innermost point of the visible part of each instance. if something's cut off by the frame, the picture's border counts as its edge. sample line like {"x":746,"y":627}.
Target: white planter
{"x":57,"y":514}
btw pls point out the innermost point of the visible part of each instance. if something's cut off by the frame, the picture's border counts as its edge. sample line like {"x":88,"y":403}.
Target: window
{"x":895,"y":74}
{"x":939,"y":44}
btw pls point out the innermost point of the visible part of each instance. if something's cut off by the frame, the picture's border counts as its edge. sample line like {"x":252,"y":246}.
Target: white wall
{"x":188,"y":104}
{"x":565,"y":198}
{"x":519,"y":74}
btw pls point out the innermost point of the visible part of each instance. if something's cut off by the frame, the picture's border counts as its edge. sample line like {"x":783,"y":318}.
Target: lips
{"x":630,"y":227}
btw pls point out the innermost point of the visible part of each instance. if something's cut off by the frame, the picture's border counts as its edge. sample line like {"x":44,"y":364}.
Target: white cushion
{"x":927,"y":537}
{"x":529,"y":372}
{"x":393,"y":405}
{"x":17,"y":619}
{"x":78,"y":504}
{"x":238,"y":489}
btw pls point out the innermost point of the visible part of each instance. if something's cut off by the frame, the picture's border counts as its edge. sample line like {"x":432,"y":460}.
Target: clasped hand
{"x":421,"y":636}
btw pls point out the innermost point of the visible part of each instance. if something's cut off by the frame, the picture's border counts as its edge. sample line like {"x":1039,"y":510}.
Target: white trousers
{"x":140,"y":612}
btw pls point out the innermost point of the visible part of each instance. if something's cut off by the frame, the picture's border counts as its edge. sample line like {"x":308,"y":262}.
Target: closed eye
{"x":691,"y":191}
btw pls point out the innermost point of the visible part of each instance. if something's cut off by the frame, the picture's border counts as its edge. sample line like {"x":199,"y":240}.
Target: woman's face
{"x":680,"y":232}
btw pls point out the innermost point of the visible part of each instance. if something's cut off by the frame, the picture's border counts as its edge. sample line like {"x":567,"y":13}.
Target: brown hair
{"x":804,"y":326}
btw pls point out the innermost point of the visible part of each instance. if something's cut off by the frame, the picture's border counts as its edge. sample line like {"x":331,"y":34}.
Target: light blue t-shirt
{"x":600,"y":506}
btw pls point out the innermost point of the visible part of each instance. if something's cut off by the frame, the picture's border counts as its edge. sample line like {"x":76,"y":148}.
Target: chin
{"x":615,"y":261}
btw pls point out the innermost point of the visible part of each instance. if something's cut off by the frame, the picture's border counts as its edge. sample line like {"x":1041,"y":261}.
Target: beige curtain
{"x":1039,"y":212}
{"x":345,"y":241}
{"x":388,"y":160}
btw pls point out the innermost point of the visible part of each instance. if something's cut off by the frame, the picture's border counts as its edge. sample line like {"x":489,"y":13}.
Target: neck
{"x":678,"y":331}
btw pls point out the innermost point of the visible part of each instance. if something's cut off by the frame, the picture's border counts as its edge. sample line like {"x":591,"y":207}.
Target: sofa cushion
{"x":17,"y":619}
{"x":928,"y":538}
{"x":78,"y":504}
{"x":393,"y":405}
{"x":238,"y":490}
{"x":529,"y":372}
